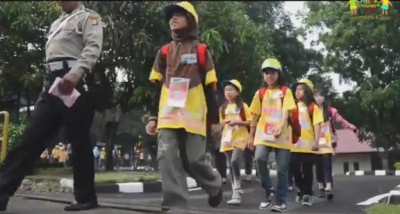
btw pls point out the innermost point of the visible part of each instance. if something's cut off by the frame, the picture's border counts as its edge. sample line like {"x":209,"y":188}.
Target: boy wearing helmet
{"x":183,"y":110}
{"x":269,"y":131}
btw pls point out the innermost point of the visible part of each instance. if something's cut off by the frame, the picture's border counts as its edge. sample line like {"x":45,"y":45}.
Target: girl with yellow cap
{"x":304,"y":152}
{"x":235,"y":117}
{"x":269,"y":131}
{"x":185,"y":77}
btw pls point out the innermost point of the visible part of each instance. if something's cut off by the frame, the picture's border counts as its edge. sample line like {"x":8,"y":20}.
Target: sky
{"x":295,"y":6}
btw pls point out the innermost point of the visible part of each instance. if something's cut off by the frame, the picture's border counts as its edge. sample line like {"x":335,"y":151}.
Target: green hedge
{"x":383,"y":209}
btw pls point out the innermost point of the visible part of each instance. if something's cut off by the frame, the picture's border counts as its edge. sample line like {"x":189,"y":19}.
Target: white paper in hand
{"x":68,"y":100}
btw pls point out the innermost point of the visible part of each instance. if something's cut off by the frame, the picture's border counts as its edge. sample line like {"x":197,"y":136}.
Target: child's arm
{"x":337,"y":118}
{"x":255,"y":111}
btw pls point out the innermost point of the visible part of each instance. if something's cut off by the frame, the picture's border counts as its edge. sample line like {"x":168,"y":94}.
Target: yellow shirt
{"x":307,"y":137}
{"x":325,"y":140}
{"x":102,"y":154}
{"x":270,"y":111}
{"x":236,"y":136}
{"x":385,"y":2}
{"x":62,"y":156}
{"x":44,"y":154}
{"x":55,"y":153}
{"x":192,"y":116}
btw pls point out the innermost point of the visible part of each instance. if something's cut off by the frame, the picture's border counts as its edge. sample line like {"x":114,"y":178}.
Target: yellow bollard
{"x":4,"y":139}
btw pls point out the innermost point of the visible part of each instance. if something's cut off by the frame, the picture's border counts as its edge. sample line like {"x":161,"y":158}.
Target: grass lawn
{"x":383,"y":209}
{"x":54,"y":174}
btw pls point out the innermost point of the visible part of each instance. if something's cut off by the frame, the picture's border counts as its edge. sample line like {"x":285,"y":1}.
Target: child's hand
{"x":250,"y":143}
{"x":315,"y":147}
{"x":278,"y":132}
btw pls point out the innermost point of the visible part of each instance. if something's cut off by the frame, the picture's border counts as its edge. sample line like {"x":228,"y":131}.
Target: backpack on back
{"x":293,"y":119}
{"x":209,"y":93}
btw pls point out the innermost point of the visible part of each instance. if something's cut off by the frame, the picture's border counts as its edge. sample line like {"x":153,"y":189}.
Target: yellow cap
{"x":308,"y":83}
{"x":271,"y":63}
{"x":171,"y":9}
{"x":234,"y":82}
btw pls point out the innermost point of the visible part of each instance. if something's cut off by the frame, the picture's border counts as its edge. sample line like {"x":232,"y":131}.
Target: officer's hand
{"x":68,"y":83}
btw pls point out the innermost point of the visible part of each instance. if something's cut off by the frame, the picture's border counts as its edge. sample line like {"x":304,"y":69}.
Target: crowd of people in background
{"x":59,"y":154}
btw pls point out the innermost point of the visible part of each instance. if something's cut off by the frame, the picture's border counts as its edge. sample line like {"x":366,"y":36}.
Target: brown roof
{"x":348,"y":142}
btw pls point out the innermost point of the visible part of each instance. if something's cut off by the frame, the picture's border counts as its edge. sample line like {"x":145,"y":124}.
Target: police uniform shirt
{"x":81,"y":38}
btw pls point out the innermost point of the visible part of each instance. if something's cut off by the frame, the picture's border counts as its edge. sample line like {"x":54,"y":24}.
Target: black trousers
{"x":302,"y":167}
{"x":220,"y":162}
{"x":323,"y":168}
{"x":49,"y":115}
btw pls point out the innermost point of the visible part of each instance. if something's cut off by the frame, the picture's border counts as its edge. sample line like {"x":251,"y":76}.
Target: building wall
{"x":363,"y":160}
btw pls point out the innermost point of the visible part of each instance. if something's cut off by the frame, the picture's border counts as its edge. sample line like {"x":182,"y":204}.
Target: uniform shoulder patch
{"x":94,"y":19}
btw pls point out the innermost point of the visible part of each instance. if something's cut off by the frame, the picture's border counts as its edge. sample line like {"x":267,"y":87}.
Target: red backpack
{"x":293,"y":119}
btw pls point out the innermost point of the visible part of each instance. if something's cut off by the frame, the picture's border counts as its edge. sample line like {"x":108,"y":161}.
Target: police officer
{"x":73,"y":47}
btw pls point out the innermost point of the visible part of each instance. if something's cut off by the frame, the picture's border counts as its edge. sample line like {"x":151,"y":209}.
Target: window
{"x":356,"y":166}
{"x":345,"y":167}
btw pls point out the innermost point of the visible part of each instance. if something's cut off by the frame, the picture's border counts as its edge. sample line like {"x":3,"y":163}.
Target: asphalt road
{"x":349,"y":190}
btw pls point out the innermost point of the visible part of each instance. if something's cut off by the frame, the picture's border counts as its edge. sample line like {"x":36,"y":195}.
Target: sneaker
{"x":248,"y":178}
{"x":268,"y":201}
{"x":224,"y":180}
{"x":290,"y":188}
{"x":279,"y":208}
{"x":215,"y":201}
{"x":236,"y":198}
{"x":307,"y":200}
{"x":299,"y":196}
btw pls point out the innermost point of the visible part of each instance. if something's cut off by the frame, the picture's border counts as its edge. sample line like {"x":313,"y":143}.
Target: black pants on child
{"x":302,"y":167}
{"x":323,"y":168}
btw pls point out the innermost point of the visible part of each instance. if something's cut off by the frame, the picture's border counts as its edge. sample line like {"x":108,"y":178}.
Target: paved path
{"x":22,"y":206}
{"x":350,"y":190}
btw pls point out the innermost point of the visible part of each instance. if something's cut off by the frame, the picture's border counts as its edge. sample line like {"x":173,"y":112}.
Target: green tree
{"x":365,"y":52}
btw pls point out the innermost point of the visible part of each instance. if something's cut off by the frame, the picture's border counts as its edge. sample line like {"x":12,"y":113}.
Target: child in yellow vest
{"x":102,"y":157}
{"x":55,"y":154}
{"x":269,"y":131}
{"x":304,"y":152}
{"x":235,"y":116}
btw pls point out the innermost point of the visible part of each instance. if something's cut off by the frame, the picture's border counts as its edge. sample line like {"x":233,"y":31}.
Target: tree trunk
{"x":111,"y":131}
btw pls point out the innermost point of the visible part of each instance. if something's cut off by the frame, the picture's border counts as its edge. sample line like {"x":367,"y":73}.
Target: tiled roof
{"x":348,"y":142}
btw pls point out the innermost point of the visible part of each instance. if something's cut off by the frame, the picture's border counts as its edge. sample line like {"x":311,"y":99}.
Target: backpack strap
{"x":311,"y":111}
{"x":261,"y":94}
{"x":283,"y":89}
{"x":164,"y":51}
{"x":222,"y":110}
{"x":202,"y":56}
{"x":242,"y":113}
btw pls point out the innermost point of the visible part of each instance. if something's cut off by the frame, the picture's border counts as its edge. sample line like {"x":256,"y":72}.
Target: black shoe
{"x":215,"y":201}
{"x":75,"y":206}
{"x":4,"y":202}
{"x":329,"y":195}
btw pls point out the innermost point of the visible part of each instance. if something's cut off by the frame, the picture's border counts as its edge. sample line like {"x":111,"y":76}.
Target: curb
{"x":375,"y":173}
{"x":135,"y":208}
{"x":130,"y":187}
{"x":140,"y":187}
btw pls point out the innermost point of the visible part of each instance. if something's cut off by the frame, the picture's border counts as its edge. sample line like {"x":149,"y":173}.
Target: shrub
{"x":383,"y":209}
{"x":397,"y":166}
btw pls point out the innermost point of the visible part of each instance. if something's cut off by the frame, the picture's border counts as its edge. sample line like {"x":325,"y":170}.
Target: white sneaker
{"x":236,"y":198}
{"x":248,"y":178}
{"x":224,"y":180}
{"x":290,"y":188}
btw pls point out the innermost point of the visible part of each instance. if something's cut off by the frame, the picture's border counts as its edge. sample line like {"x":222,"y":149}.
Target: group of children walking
{"x":297,"y":127}
{"x":293,"y":122}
